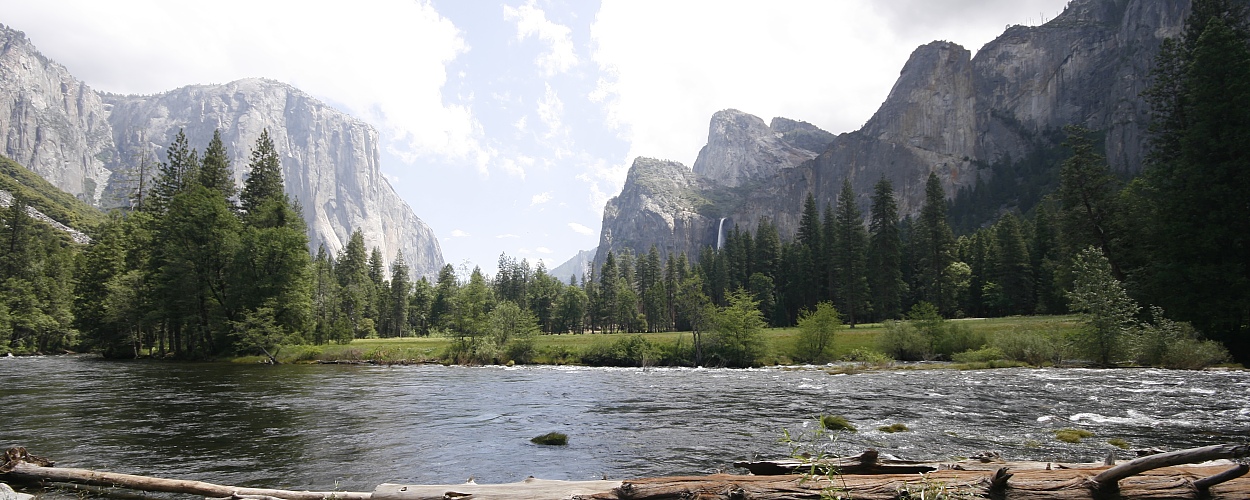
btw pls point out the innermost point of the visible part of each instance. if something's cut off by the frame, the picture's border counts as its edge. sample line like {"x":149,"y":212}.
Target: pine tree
{"x":215,"y":172}
{"x":934,"y":250}
{"x":352,"y":269}
{"x":826,"y":259}
{"x":1087,"y":191}
{"x":398,"y":296}
{"x":1013,"y":270}
{"x":1196,"y":182}
{"x":808,"y":276}
{"x":850,"y":257}
{"x":608,"y":293}
{"x":264,"y":179}
{"x":175,"y":175}
{"x":885,"y":277}
{"x":767,"y":249}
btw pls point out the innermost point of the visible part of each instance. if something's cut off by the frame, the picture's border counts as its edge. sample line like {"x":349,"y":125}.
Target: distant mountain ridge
{"x":949,"y":113}
{"x":576,"y":266}
{"x":88,"y":143}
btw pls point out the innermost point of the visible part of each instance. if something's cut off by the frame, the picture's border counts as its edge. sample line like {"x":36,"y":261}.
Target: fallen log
{"x":529,"y":489}
{"x":25,"y":471}
{"x":1155,"y":477}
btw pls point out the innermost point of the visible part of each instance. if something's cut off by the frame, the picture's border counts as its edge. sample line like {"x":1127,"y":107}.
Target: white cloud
{"x":540,"y":198}
{"x":384,"y":61}
{"x":532,"y":21}
{"x":515,"y":167}
{"x":551,"y":112}
{"x":605,"y":180}
{"x":457,"y":233}
{"x":580,"y":229}
{"x":542,"y":250}
{"x":828,"y":63}
{"x":521,"y":124}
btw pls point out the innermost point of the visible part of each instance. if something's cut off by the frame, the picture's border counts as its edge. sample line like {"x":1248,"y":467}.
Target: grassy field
{"x":565,"y":349}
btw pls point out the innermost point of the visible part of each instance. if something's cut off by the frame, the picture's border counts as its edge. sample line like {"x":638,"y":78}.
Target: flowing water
{"x":353,"y":427}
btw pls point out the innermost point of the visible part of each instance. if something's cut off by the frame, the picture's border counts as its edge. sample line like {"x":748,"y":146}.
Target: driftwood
{"x":25,"y":468}
{"x":528,"y":489}
{"x":1162,"y":476}
{"x":7,"y":493}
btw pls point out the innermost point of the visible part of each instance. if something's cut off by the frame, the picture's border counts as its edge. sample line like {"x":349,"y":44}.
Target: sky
{"x":506,"y":125}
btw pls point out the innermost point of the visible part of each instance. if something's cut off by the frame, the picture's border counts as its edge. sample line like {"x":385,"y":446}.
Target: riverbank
{"x":861,"y":344}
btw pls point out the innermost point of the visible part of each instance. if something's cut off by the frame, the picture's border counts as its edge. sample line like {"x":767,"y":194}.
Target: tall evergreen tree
{"x":826,"y":259}
{"x":264,"y":178}
{"x":934,"y":250}
{"x":605,"y":312}
{"x":850,"y":257}
{"x":767,"y":249}
{"x":352,"y":268}
{"x":885,"y":276}
{"x":1195,"y":264}
{"x":175,"y":175}
{"x":1087,"y":192}
{"x":1013,"y":270}
{"x":215,"y":172}
{"x":395,"y":316}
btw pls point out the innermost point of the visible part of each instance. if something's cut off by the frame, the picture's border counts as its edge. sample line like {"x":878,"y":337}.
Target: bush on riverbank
{"x":926,"y":336}
{"x":1174,"y":344}
{"x":1032,"y":340}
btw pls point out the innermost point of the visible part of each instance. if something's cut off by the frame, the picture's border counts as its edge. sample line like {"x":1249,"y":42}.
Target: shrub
{"x":1036,"y":348}
{"x":625,"y":351}
{"x":836,"y":423}
{"x":983,"y":355}
{"x":522,"y":349}
{"x":951,"y":338}
{"x":1195,"y":354}
{"x":1173,"y":344}
{"x":867,"y":356}
{"x":1072,"y":435}
{"x":816,"y":333}
{"x":551,"y":439}
{"x":902,"y":341}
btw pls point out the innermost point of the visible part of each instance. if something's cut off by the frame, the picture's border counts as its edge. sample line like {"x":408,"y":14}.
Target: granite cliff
{"x":88,"y":143}
{"x":949,"y":113}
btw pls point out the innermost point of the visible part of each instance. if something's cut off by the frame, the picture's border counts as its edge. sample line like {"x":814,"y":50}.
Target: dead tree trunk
{"x":1154,"y":477}
{"x":21,"y":466}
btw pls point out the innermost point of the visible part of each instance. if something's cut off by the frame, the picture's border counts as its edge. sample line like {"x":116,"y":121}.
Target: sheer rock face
{"x":947,"y":112}
{"x":741,"y":148}
{"x":90,"y":144}
{"x":656,"y":207}
{"x":329,"y":160}
{"x":52,"y":123}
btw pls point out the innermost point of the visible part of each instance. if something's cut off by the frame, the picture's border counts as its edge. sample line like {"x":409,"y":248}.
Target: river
{"x":353,"y":427}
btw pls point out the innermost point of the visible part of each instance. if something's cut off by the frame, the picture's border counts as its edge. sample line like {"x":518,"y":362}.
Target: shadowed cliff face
{"x":947,"y":113}
{"x":90,"y":144}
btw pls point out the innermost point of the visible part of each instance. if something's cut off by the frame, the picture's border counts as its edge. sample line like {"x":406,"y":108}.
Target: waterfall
{"x":720,"y":234}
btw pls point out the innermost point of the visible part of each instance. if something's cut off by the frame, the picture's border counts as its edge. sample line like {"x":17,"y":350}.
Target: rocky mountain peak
{"x":949,"y":114}
{"x":932,"y":104}
{"x":89,"y":144}
{"x":741,"y":148}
